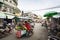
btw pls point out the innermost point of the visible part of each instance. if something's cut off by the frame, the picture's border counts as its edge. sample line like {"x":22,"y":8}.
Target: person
{"x":27,"y":25}
{"x":13,"y":24}
{"x":8,"y":27}
{"x":48,"y":26}
{"x":4,"y":24}
{"x":6,"y":19}
{"x":32,"y":25}
{"x":19,"y":25}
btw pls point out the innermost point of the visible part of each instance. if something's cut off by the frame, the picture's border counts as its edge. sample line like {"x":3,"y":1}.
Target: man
{"x":4,"y":24}
{"x":27,"y":25}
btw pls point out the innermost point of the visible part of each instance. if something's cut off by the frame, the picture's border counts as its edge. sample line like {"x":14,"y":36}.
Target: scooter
{"x":4,"y":32}
{"x":30,"y":32}
{"x":20,"y":33}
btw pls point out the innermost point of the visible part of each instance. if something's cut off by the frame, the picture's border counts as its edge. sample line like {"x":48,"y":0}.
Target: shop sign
{"x":17,"y":14}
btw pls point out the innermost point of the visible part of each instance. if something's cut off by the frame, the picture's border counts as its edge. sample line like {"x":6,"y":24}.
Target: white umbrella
{"x":56,"y":16}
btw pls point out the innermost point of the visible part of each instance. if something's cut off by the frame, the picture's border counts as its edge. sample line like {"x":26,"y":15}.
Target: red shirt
{"x":27,"y":25}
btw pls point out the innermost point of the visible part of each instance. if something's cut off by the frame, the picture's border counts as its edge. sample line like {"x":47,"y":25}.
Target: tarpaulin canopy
{"x":49,"y":14}
{"x":9,"y":15}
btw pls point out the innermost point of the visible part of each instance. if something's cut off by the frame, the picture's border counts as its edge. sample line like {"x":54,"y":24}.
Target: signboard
{"x":17,"y":14}
{"x":1,"y":0}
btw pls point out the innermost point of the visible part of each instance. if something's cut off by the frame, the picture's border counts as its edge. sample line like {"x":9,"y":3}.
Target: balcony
{"x":15,"y":1}
{"x":10,"y":4}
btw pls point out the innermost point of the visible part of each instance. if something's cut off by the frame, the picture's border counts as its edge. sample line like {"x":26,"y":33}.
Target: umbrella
{"x":49,"y":14}
{"x":57,"y":15}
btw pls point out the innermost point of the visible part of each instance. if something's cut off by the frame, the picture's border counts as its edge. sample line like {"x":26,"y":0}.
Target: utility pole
{"x":22,"y":13}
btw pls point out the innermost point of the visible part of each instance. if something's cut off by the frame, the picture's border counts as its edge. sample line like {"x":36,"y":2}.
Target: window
{"x":6,"y":0}
{"x":5,"y":9}
{"x":11,"y":10}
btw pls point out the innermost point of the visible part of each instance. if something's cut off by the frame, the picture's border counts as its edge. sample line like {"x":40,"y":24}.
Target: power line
{"x":46,"y":8}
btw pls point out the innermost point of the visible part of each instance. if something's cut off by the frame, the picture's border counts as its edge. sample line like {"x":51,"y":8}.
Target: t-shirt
{"x":27,"y":25}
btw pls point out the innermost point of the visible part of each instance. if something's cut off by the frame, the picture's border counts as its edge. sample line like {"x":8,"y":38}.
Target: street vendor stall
{"x":54,"y":23}
{"x":58,"y":23}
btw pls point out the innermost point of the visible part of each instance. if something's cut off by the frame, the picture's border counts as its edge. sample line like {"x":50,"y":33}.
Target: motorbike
{"x":4,"y":31}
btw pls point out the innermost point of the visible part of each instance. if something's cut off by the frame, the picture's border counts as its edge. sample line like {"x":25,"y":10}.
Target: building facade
{"x":9,"y":6}
{"x":33,"y":16}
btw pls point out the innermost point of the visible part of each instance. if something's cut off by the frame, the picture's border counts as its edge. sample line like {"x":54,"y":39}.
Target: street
{"x":29,"y":19}
{"x":40,"y":33}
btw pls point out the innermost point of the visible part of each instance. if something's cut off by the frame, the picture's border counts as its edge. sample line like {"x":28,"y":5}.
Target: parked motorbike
{"x":5,"y":32}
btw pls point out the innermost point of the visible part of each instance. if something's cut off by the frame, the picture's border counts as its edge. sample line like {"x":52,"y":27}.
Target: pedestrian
{"x":48,"y":26}
{"x":13,"y":24}
{"x":4,"y":24}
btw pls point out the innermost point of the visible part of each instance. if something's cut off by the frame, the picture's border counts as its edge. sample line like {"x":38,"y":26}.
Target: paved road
{"x":40,"y":33}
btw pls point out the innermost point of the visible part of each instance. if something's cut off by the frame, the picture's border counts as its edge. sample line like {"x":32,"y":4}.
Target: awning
{"x":9,"y":15}
{"x":24,"y":17}
{"x":2,"y":15}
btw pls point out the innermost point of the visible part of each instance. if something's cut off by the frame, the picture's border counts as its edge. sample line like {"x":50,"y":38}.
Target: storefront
{"x":54,"y":23}
{"x":3,"y":16}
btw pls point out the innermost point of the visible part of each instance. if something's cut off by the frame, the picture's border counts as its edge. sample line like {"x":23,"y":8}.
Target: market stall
{"x":53,"y":22}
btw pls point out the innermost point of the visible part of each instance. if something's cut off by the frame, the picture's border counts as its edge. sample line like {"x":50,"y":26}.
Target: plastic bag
{"x":18,"y":33}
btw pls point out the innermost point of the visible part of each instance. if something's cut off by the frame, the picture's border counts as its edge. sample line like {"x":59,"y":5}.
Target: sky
{"x":33,"y":5}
